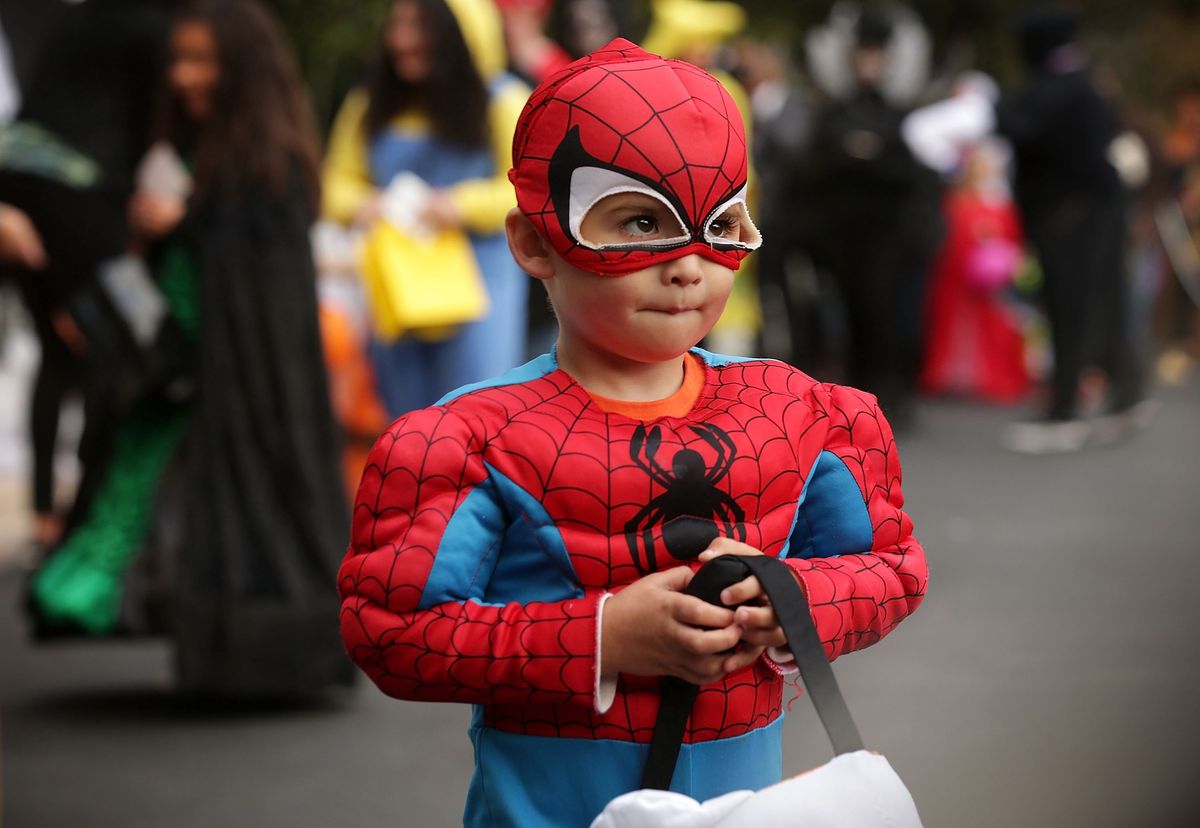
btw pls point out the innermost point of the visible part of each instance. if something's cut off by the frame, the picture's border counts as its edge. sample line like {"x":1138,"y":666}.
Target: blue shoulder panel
{"x":500,"y":545}
{"x":831,"y":517}
{"x":719,"y":360}
{"x":468,"y":550}
{"x":535,"y":368}
{"x":534,"y":564}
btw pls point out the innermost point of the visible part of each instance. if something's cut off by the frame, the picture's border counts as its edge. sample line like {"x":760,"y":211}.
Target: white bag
{"x":856,"y":789}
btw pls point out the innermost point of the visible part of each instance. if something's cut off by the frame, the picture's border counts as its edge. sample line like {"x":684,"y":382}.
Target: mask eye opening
{"x":735,"y":210}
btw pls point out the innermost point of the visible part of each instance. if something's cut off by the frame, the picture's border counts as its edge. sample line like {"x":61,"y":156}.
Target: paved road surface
{"x":1050,"y":679}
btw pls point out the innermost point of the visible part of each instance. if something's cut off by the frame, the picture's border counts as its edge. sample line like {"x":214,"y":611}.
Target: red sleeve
{"x":858,"y":598}
{"x":423,"y":631}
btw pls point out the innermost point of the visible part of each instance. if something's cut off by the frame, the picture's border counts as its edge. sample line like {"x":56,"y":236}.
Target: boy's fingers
{"x":742,"y":658}
{"x":765,"y":637}
{"x":745,"y":590}
{"x":727,"y":546}
{"x":756,"y":618}
{"x":709,"y":642}
{"x":695,"y":612}
{"x":705,"y":671}
{"x":760,"y":627}
{"x":675,"y":579}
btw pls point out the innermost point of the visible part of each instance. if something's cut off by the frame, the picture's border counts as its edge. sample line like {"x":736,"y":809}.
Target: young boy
{"x":523,"y":546}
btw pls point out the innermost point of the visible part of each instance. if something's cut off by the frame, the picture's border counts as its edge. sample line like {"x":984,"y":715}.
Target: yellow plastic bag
{"x":424,"y":287}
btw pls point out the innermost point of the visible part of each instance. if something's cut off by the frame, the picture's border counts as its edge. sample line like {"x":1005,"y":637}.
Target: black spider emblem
{"x":692,"y":511}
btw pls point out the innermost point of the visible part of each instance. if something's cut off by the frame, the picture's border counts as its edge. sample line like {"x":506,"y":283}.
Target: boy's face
{"x":651,"y":315}
{"x":623,"y":121}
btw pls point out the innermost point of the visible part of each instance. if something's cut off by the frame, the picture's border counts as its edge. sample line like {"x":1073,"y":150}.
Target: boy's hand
{"x":651,"y":628}
{"x":760,"y":627}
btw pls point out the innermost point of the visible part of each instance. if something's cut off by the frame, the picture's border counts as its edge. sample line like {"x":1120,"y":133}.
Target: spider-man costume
{"x":489,"y":528}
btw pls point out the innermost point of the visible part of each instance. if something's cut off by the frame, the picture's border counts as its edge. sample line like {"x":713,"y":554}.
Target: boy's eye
{"x":643,"y":225}
{"x":724,"y":227}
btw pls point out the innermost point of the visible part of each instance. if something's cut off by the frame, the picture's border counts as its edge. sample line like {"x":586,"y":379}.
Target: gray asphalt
{"x":1050,"y":679}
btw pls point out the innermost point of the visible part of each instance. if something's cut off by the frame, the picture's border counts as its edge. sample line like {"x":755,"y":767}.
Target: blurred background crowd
{"x":238,"y":237}
{"x":244,"y":235}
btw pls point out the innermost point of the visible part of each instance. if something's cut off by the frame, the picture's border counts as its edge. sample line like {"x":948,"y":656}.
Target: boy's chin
{"x":659,"y":352}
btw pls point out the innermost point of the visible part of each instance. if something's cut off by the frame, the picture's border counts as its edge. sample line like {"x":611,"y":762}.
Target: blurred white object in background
{"x":939,"y":134}
{"x":1130,"y":156}
{"x":403,"y":203}
{"x":163,"y":173}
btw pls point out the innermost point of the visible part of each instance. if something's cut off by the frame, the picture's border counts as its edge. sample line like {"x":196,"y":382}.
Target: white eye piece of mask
{"x":591,"y":185}
{"x":730,"y":225}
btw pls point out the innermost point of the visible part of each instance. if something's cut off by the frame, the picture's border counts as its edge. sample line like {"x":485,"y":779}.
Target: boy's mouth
{"x":673,"y":310}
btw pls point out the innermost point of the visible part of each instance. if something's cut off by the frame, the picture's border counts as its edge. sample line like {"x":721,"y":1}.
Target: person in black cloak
{"x":255,"y":480}
{"x":879,"y":224}
{"x":1073,"y":207}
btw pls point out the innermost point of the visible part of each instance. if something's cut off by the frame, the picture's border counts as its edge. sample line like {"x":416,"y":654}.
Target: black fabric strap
{"x":791,"y":608}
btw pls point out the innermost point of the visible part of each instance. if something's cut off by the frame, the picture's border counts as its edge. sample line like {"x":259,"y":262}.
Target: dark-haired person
{"x":437,"y":104}
{"x":1074,"y":211}
{"x":262,"y":513}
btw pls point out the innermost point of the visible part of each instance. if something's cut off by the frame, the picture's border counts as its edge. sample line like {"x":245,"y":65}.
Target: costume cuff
{"x":605,"y":689}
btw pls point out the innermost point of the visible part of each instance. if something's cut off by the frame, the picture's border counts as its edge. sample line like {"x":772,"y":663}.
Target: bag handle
{"x":792,"y":610}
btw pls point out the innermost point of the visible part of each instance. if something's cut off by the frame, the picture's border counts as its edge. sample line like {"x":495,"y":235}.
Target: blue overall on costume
{"x":411,"y":372}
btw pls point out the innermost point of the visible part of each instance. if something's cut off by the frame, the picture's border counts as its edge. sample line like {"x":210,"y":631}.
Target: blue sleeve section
{"x":831,"y":517}
{"x":534,"y":564}
{"x":531,"y":370}
{"x":548,"y":782}
{"x":466,"y":556}
{"x":500,"y":546}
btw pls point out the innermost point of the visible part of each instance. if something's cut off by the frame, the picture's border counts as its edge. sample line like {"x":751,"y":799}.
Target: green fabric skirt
{"x":82,"y":582}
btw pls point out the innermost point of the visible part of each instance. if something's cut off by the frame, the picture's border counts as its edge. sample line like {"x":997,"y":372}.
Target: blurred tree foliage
{"x":1142,"y":49}
{"x":333,"y":40}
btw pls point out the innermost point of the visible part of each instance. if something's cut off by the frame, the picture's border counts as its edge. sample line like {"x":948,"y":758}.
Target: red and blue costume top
{"x":488,"y":527}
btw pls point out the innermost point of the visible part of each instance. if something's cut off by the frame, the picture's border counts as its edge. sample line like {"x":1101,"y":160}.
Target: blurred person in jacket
{"x":879,"y":224}
{"x":437,"y":104}
{"x":248,"y":469}
{"x":1073,"y":208}
{"x":794,"y":295}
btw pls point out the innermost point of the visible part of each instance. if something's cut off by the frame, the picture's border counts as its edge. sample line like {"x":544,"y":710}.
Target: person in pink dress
{"x":973,"y":344}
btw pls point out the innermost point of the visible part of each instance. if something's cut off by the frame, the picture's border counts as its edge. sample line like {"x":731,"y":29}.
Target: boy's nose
{"x":683,"y":271}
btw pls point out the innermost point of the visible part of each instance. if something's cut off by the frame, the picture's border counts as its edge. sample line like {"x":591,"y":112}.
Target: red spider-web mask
{"x":622,"y":120}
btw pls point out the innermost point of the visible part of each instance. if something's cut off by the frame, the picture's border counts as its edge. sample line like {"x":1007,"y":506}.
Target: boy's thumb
{"x":676,"y":578}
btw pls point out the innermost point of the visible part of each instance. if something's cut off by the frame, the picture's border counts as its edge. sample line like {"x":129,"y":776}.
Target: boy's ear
{"x":528,"y":247}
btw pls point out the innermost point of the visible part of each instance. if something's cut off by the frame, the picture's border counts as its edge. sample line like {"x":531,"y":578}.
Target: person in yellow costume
{"x":437,"y":105}
{"x":693,"y":30}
